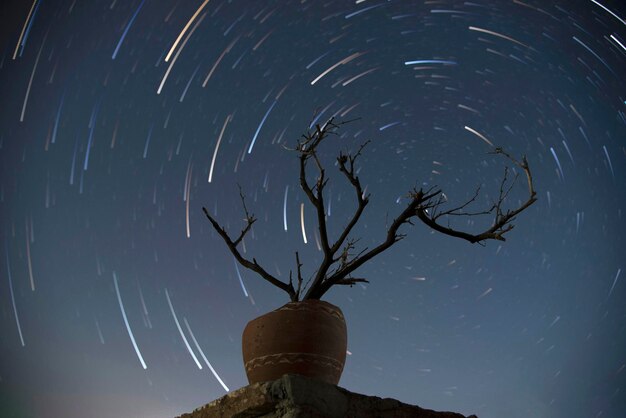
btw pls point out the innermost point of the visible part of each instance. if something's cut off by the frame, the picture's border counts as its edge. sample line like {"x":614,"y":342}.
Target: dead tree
{"x":339,"y":263}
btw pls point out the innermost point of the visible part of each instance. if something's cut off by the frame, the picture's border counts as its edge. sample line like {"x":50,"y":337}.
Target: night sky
{"x":120,"y":120}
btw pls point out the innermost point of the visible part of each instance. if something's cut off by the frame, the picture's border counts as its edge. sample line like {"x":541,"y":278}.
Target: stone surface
{"x":294,"y":396}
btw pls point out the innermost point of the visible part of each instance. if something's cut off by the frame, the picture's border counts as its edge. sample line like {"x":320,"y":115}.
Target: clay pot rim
{"x":337,"y":311}
{"x":311,"y":301}
{"x":318,"y":302}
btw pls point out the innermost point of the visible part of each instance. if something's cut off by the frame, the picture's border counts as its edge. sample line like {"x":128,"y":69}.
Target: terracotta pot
{"x":308,"y":338}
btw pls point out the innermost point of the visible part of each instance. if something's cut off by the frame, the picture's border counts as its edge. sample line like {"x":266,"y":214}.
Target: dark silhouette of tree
{"x":339,"y":263}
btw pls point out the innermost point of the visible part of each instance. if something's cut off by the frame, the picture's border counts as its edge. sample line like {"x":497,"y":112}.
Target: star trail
{"x":120,"y":120}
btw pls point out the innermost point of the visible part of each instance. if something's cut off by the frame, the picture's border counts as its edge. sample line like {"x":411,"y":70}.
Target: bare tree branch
{"x":502,"y":220}
{"x":316,"y":199}
{"x":252,"y":265}
{"x":351,"y":281}
{"x":308,"y":149}
{"x":426,"y":205}
{"x":421,"y":202}
{"x":362,"y":200}
{"x":456,"y":211}
{"x":418,"y":197}
{"x":299,"y":275}
{"x":250,"y":219}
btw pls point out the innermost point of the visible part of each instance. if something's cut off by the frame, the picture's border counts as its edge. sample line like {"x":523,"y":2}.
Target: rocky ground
{"x":294,"y":396}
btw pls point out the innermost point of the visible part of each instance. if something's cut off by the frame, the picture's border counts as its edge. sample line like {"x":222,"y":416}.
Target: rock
{"x":295,"y":396}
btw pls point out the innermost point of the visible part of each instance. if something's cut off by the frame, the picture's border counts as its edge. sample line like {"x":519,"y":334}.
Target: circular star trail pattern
{"x":120,"y":120}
